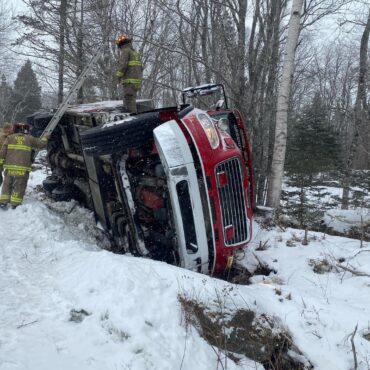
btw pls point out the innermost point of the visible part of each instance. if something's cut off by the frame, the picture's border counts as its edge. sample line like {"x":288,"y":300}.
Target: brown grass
{"x":241,"y":333}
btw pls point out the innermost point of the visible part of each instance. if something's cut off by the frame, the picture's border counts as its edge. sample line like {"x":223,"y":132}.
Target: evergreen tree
{"x":26,"y":97}
{"x":313,"y":146}
{"x":5,"y":100}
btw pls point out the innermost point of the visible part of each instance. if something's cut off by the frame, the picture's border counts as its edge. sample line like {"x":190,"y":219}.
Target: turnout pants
{"x":14,"y":187}
{"x":129,"y":97}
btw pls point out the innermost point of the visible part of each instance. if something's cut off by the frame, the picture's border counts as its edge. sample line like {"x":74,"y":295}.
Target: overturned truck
{"x":173,"y":184}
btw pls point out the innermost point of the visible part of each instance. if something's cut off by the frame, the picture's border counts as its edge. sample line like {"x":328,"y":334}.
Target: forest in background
{"x":240,"y":43}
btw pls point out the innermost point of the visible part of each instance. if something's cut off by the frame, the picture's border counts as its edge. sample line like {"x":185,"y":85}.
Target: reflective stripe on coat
{"x":15,"y":154}
{"x":130,"y":66}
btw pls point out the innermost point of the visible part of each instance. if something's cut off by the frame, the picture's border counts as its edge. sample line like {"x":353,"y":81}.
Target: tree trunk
{"x":204,"y":41}
{"x":277,"y":167}
{"x":62,"y":27}
{"x":268,"y":99}
{"x":361,"y":110}
{"x":80,"y":53}
{"x":241,"y":53}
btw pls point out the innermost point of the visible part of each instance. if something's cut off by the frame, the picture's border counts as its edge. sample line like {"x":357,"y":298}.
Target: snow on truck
{"x":173,"y":184}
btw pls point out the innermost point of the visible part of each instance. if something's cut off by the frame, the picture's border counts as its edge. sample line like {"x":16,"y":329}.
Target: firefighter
{"x":15,"y":158}
{"x":7,"y":130}
{"x":129,"y":72}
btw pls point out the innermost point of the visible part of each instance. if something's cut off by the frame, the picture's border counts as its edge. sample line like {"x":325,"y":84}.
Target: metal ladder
{"x":77,"y":85}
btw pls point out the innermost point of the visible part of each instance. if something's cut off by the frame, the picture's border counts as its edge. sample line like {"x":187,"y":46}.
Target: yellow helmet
{"x":123,"y":39}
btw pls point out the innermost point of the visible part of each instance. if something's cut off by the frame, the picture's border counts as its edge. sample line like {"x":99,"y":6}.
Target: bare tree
{"x":5,"y":100}
{"x":6,"y":25}
{"x":62,"y":28}
{"x":277,"y":168}
{"x":361,"y":112}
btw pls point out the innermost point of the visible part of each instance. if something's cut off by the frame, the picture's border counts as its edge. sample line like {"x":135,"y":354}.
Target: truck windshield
{"x":206,"y":98}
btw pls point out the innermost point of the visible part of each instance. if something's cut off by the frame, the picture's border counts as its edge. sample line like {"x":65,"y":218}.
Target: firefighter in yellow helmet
{"x":7,"y":130}
{"x":15,"y":158}
{"x":129,"y":72}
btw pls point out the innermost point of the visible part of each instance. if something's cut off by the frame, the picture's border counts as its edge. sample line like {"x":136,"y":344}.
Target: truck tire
{"x":50,"y":183}
{"x":65,"y":193}
{"x":131,"y":132}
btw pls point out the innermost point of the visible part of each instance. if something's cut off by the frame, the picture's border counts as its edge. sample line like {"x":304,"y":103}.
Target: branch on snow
{"x":354,"y":348}
{"x":352,"y":271}
{"x":29,"y":323}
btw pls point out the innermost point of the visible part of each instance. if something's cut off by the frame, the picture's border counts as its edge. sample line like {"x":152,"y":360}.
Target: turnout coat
{"x":16,"y":153}
{"x":130,"y":69}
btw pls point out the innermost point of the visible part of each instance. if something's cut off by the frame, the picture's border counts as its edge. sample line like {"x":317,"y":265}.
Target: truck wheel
{"x":50,"y":183}
{"x":115,"y":137}
{"x":64,"y":193}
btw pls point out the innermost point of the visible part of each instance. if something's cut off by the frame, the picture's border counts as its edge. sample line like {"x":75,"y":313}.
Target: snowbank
{"x":67,"y":304}
{"x":343,"y":220}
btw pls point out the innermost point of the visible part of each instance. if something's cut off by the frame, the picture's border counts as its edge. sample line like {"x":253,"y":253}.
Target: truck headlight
{"x":209,"y":129}
{"x":223,"y":125}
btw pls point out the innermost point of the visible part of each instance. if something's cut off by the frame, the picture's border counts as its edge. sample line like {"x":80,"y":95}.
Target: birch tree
{"x":278,"y":159}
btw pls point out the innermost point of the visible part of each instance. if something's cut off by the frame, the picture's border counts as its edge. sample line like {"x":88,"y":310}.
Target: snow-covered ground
{"x":67,"y":304}
{"x":344,"y":220}
{"x":326,"y":199}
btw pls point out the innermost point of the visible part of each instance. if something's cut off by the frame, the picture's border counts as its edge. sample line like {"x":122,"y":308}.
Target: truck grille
{"x":231,"y":193}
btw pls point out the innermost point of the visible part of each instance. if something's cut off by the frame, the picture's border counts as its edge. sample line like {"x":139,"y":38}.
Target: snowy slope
{"x":322,"y":308}
{"x":67,"y":304}
{"x":134,"y":317}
